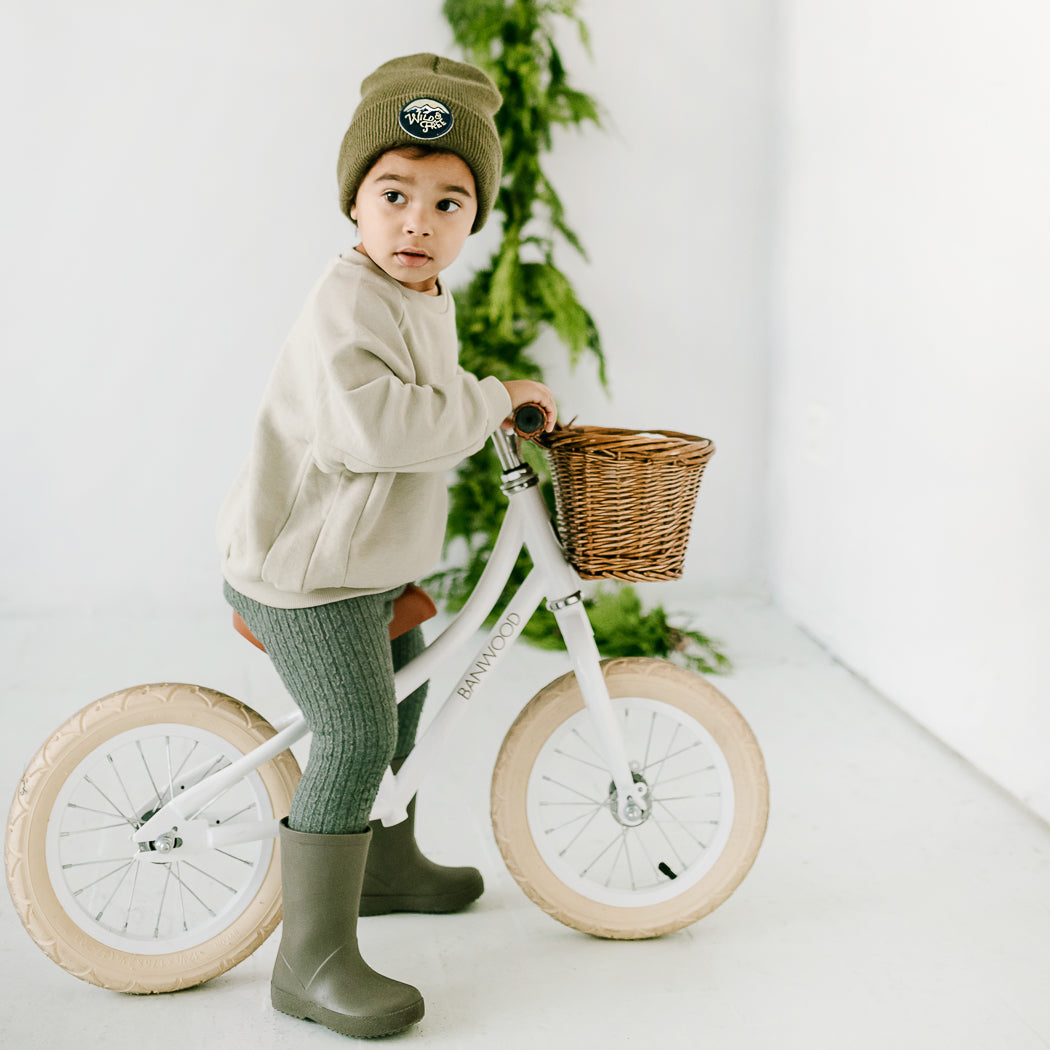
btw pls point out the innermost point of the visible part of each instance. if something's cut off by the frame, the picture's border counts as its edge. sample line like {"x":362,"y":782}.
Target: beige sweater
{"x":344,"y":491}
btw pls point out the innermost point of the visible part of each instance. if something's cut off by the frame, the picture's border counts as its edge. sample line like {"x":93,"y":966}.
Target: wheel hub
{"x":633,"y":815}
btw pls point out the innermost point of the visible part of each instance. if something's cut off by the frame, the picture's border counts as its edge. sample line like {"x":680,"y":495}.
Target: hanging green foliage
{"x":521,"y":293}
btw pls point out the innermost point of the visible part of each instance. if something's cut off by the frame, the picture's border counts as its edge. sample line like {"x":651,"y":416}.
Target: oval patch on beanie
{"x":425,"y":118}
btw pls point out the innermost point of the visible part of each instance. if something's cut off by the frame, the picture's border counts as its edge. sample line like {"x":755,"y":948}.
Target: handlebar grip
{"x":529,"y":421}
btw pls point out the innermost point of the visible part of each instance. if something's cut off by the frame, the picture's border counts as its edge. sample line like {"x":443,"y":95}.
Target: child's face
{"x":414,"y":215}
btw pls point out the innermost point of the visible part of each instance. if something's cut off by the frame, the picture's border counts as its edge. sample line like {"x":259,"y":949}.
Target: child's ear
{"x":353,"y":211}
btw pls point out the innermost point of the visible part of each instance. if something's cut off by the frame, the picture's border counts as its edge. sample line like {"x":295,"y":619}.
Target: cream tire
{"x":77,"y":880}
{"x":553,"y":803}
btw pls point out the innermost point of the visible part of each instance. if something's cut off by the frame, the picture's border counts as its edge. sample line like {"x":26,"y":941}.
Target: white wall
{"x":673,"y":207}
{"x":910,"y":494}
{"x":168,"y":198}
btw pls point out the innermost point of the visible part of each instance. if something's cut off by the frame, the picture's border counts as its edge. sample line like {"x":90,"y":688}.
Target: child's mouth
{"x":411,"y":259}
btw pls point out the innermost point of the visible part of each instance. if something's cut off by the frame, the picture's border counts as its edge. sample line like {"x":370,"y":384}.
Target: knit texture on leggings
{"x":338,"y":663}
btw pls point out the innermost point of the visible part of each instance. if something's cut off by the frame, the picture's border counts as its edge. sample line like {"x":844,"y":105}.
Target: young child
{"x":342,"y":502}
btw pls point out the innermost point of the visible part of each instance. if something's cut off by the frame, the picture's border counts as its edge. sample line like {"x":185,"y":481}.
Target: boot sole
{"x":420,"y":905}
{"x":359,"y":1027}
{"x":430,"y":904}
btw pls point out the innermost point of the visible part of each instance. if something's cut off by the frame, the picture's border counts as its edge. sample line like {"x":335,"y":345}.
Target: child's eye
{"x":449,"y":206}
{"x":394,"y":197}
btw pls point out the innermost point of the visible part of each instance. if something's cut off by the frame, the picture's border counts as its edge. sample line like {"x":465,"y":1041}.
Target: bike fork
{"x":632,"y":796}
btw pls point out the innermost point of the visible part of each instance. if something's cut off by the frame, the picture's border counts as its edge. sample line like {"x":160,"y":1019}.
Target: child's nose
{"x":416,"y":222}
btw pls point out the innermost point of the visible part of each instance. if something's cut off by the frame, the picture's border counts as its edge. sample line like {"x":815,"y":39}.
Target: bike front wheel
{"x":554,"y":806}
{"x":83,"y":888}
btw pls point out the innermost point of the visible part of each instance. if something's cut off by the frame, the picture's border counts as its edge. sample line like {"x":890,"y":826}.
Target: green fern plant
{"x":520,"y":293}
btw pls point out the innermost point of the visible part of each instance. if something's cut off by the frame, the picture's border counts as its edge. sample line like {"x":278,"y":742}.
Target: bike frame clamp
{"x":563,"y":603}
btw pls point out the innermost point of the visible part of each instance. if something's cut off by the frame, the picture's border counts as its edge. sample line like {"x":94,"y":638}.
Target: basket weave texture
{"x":625,"y":499}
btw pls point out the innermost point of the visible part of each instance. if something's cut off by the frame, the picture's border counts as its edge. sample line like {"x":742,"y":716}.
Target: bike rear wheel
{"x":554,"y":807}
{"x":81,"y":886}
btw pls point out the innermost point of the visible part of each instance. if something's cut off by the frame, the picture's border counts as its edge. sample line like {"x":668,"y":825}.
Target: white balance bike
{"x":629,"y":798}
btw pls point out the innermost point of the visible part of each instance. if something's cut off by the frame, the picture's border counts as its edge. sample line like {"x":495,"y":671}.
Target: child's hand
{"x":527,"y":392}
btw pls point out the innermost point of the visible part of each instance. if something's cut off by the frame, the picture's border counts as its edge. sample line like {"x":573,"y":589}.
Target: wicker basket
{"x":625,"y":499}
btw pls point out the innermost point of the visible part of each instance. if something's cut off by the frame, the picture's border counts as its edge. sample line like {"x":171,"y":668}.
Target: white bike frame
{"x":176,"y":829}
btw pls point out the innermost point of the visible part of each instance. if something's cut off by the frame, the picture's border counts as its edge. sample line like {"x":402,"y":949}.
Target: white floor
{"x":899,"y":901}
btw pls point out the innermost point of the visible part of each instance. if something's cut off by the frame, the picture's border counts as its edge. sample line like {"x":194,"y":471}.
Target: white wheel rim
{"x":134,"y":905}
{"x":583,"y":844}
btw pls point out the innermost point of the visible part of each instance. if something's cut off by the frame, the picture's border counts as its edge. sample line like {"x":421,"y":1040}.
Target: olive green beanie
{"x":425,"y":100}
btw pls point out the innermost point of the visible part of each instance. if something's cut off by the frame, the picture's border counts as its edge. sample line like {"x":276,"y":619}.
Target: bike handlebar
{"x":530,"y":421}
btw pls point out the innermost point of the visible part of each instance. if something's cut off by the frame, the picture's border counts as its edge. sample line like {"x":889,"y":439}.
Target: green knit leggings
{"x":338,"y":663}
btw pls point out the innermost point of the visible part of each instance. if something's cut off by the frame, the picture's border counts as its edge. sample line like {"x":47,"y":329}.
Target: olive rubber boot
{"x":399,"y":878}
{"x":320,"y":975}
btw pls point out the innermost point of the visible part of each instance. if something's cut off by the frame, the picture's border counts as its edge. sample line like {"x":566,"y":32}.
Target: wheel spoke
{"x":684,"y":829}
{"x":89,"y":831}
{"x":612,"y":842}
{"x":240,"y":813}
{"x":240,"y":860}
{"x":103,"y":860}
{"x":576,"y":837}
{"x":657,"y":820}
{"x":667,"y":754}
{"x":163,"y":895}
{"x":551,"y":780}
{"x":619,"y":852}
{"x":208,"y":875}
{"x":189,"y":890}
{"x":572,"y":820}
{"x":131,"y":898}
{"x":590,"y":747}
{"x":120,"y":781}
{"x":149,"y":774}
{"x":109,"y":901}
{"x":182,"y":766}
{"x":211,"y":802}
{"x":182,"y":899}
{"x":667,"y":839}
{"x":683,"y":776}
{"x":660,"y":763}
{"x":215,"y":767}
{"x":171,"y":775}
{"x":640,"y":839}
{"x":582,"y":761}
{"x":102,"y":878}
{"x":116,"y":810}
{"x":627,"y":857}
{"x":250,"y":807}
{"x":101,"y":813}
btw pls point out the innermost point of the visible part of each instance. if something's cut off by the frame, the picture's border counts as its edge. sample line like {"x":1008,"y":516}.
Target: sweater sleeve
{"x":372,"y":417}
